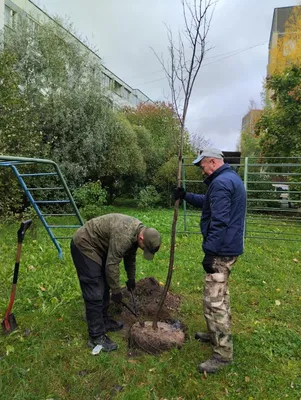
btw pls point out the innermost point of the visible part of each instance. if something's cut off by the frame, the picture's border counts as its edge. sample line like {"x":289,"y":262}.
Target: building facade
{"x":280,"y":17}
{"x":249,"y":121}
{"x":118,"y":92}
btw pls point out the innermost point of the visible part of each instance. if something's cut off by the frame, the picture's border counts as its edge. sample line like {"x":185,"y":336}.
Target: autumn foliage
{"x":287,"y":50}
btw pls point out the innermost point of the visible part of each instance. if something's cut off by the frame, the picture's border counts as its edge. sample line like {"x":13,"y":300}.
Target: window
{"x":9,"y":15}
{"x":117,"y":87}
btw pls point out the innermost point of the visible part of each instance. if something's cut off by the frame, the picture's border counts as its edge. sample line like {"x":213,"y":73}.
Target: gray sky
{"x":123,"y":32}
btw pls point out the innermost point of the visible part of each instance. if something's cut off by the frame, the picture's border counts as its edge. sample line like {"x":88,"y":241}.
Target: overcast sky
{"x":124,"y":31}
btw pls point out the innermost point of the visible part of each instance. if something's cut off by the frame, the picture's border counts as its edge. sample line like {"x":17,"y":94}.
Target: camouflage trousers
{"x":216,"y":306}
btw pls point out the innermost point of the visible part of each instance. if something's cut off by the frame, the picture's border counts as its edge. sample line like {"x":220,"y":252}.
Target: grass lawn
{"x":47,"y":357}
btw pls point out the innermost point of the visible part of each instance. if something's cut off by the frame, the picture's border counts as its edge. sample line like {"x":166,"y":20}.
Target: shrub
{"x":90,"y":194}
{"x":148,"y":197}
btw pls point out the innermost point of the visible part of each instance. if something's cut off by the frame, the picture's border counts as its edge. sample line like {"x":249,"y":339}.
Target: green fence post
{"x":246,"y":187}
{"x":184,"y":186}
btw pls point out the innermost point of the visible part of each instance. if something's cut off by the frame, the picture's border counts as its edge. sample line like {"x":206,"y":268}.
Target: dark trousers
{"x":95,"y":290}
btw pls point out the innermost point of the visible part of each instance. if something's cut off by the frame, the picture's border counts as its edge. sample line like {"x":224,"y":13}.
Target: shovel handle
{"x":23,"y":228}
{"x":129,"y":308}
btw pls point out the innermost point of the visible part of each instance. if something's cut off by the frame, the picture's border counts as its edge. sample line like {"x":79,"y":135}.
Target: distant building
{"x":118,"y":92}
{"x":249,"y":121}
{"x":280,"y":17}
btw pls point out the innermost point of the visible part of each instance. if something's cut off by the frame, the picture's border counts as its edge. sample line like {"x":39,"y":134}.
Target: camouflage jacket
{"x":109,"y":239}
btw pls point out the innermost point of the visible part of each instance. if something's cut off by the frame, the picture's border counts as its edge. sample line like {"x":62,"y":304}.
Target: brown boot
{"x":213,"y":364}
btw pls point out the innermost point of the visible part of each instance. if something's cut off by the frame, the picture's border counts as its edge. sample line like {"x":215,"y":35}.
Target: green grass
{"x":47,"y":357}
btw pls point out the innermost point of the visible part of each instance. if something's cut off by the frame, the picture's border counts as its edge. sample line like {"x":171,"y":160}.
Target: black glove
{"x":179,"y":193}
{"x":131,"y":284}
{"x":208,"y":261}
{"x":116,"y":297}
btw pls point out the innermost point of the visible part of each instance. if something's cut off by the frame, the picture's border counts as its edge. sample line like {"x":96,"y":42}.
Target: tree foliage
{"x":280,"y":126}
{"x":287,"y":50}
{"x":53,"y":105}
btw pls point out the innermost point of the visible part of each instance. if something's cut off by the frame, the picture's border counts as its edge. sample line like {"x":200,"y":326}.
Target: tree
{"x":280,"y":127}
{"x":158,"y":130}
{"x":19,"y":120}
{"x":55,"y":89}
{"x":181,"y":71}
{"x":19,"y":134}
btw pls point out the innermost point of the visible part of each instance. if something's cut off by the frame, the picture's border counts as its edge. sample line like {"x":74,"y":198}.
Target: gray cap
{"x":211,"y":152}
{"x":151,"y":241}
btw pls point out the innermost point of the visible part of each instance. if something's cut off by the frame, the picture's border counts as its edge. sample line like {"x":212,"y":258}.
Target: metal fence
{"x":273,"y":197}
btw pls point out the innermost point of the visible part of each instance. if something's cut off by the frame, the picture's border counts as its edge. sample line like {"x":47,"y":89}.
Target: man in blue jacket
{"x":222,"y":226}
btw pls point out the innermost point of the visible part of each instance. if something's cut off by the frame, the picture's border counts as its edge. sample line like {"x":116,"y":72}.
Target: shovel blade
{"x":9,"y":324}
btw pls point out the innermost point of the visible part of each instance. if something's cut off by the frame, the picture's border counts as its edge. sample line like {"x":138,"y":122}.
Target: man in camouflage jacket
{"x":222,"y":226}
{"x":97,"y":248}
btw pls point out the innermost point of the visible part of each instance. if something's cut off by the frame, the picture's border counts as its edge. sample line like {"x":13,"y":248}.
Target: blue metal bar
{"x":46,"y":188}
{"x":37,"y":210}
{"x":52,"y":201}
{"x":64,"y":226}
{"x":40,"y":174}
{"x":59,"y":215}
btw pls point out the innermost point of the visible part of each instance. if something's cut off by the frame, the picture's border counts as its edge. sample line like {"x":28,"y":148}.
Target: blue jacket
{"x":223,"y":212}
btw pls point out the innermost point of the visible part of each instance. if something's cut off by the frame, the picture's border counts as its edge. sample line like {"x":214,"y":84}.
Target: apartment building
{"x":118,"y":92}
{"x":280,"y":17}
{"x":249,"y":121}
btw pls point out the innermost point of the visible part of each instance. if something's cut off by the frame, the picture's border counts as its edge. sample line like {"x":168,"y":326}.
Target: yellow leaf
{"x":296,"y":260}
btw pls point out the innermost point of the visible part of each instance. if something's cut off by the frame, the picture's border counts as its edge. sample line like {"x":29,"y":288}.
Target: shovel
{"x":134,"y":312}
{"x":9,"y":324}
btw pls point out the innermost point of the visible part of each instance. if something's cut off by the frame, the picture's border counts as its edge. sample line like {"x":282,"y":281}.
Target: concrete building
{"x":119,"y":93}
{"x":249,"y":121}
{"x":280,"y":17}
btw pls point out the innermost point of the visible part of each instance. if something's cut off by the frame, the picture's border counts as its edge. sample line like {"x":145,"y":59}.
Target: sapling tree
{"x":185,"y":57}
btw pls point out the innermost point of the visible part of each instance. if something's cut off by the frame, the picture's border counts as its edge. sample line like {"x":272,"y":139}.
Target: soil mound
{"x":147,"y":295}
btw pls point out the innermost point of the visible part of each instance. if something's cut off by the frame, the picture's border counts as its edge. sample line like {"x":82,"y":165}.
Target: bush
{"x":90,"y":194}
{"x":148,"y":197}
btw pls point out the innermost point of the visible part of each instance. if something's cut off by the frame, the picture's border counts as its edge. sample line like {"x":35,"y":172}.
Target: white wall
{"x":2,"y":14}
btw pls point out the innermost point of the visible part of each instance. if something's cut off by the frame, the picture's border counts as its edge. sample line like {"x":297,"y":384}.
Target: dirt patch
{"x":147,"y":295}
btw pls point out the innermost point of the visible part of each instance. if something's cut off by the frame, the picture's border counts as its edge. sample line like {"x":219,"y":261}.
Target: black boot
{"x":104,"y":341}
{"x":112,"y":326}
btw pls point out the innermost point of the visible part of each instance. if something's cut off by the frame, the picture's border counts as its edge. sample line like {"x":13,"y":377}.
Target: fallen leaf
{"x":31,"y":268}
{"x":278,"y":290}
{"x":132,"y":361}
{"x":43,"y":289}
{"x":296,"y":260}
{"x":9,"y":349}
{"x":152,"y":370}
{"x":247,"y":379}
{"x":277,"y":302}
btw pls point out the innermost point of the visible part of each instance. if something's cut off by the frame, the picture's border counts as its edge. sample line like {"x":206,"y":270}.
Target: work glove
{"x":131,"y":284}
{"x":208,"y":262}
{"x":179,"y":193}
{"x":116,"y":297}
